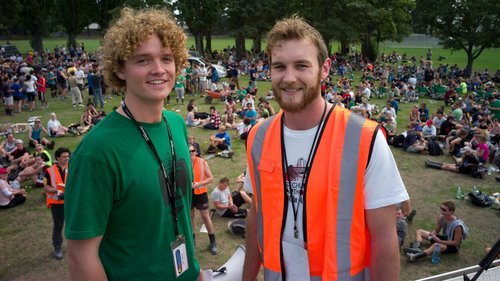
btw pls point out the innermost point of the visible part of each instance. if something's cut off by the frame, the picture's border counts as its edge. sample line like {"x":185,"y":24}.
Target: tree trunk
{"x":470,"y":62}
{"x":344,"y":47}
{"x":369,"y":48}
{"x":208,"y":46}
{"x":256,"y":45}
{"x":37,"y":42}
{"x":240,"y":46}
{"x":71,"y":40}
{"x":198,"y":38}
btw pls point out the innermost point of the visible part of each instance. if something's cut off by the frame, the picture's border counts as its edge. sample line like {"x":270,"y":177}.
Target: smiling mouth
{"x":156,"y":82}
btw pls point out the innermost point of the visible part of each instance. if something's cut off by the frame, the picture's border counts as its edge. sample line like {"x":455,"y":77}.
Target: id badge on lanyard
{"x":179,"y":255}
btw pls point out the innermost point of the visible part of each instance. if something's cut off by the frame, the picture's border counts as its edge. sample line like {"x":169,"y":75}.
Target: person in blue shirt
{"x":251,"y":114}
{"x":221,"y":140}
{"x":17,"y":94}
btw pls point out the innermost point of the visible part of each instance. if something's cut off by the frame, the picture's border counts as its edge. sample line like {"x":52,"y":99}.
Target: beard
{"x":297,"y":103}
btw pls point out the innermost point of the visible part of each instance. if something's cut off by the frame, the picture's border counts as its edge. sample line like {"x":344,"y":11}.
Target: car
{"x":8,"y":50}
{"x":220,"y":69}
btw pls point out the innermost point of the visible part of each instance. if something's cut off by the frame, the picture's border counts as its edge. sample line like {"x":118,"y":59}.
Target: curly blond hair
{"x":293,"y":28}
{"x":130,"y":31}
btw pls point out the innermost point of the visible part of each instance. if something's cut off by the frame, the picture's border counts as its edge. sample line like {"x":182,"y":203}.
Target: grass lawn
{"x":25,"y":231}
{"x":485,"y":61}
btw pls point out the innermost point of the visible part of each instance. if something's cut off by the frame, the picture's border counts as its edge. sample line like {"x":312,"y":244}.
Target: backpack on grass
{"x":434,"y":148}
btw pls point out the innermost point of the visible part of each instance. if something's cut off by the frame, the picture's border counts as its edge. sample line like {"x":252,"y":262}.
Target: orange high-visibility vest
{"x":55,"y":181}
{"x":199,"y":175}
{"x":335,"y":232}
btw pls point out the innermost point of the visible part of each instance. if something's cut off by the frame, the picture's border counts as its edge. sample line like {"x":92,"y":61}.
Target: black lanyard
{"x":169,"y":189}
{"x":307,"y":168}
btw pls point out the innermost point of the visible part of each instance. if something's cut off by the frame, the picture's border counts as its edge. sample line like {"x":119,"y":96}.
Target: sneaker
{"x":213,"y":248}
{"x":51,"y":145}
{"x":80,"y":105}
{"x":410,"y":217}
{"x":58,"y":255}
{"x":410,"y":250}
{"x":74,"y":105}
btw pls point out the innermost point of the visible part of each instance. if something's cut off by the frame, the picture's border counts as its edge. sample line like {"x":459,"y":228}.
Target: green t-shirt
{"x":114,"y":191}
{"x":496,"y":104}
{"x":179,"y":82}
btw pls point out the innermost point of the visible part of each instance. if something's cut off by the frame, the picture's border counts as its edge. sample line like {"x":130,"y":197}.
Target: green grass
{"x":487,"y":60}
{"x":25,"y":231}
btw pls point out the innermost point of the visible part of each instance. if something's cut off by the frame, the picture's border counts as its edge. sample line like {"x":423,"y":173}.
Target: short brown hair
{"x":132,"y":29}
{"x":224,"y":180}
{"x":292,"y":28}
{"x":450,"y":205}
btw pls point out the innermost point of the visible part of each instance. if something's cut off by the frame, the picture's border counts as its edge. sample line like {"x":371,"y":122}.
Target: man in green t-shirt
{"x":128,"y":195}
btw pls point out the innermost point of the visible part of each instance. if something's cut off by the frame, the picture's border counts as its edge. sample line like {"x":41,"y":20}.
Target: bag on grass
{"x":237,"y":227}
{"x":434,"y":148}
{"x":480,"y":199}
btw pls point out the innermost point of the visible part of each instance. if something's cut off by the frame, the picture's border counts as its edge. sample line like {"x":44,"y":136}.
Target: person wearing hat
{"x":429,"y":130}
{"x":35,"y":135}
{"x":9,"y":197}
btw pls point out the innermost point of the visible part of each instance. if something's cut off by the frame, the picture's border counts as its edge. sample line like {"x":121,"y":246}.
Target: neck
{"x":142,"y":111}
{"x":308,"y":118}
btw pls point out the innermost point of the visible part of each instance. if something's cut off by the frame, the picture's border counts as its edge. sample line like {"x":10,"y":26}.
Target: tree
{"x":33,"y":16}
{"x":191,"y":14}
{"x":10,"y":15}
{"x":378,"y":21}
{"x":468,"y":25}
{"x":74,"y":15}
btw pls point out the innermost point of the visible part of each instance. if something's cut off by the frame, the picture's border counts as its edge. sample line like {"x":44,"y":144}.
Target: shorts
{"x":18,"y":98}
{"x":223,"y":146}
{"x":179,"y":93}
{"x":9,"y":101}
{"x":449,"y":249}
{"x":200,"y":201}
{"x":31,"y":96}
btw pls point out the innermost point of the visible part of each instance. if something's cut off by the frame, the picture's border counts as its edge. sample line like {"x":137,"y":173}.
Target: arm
{"x":383,"y":243}
{"x":84,"y":261}
{"x":253,"y":257}
{"x":30,"y":131}
{"x":437,"y":228}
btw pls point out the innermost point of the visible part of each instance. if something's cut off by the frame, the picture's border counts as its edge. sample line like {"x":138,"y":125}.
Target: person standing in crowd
{"x":55,"y":178}
{"x":324,"y":180}
{"x":130,"y":219}
{"x":97,"y":88}
{"x":76,"y":95}
{"x":202,"y":177}
{"x":7,"y":95}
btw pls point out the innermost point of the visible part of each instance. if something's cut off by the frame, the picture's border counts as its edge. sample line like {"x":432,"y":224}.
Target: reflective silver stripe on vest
{"x":256,"y":153}
{"x":347,"y":190}
{"x":364,"y":275}
{"x":202,"y":169}
{"x":52,"y":174}
{"x":270,"y":275}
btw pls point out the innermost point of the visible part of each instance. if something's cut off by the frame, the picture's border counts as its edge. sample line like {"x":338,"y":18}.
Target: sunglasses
{"x":192,"y":150}
{"x":443,"y":209}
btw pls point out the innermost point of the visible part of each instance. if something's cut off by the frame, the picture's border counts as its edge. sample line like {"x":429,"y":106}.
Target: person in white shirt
{"x":429,"y":130}
{"x":80,"y":75}
{"x":55,"y":128}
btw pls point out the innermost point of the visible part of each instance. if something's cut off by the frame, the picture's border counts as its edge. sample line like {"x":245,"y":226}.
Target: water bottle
{"x":474,"y":190}
{"x":435,"y":254}
{"x":459,"y":192}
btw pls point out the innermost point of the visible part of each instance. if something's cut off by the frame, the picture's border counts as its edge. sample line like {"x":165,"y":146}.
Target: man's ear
{"x":120,"y":73}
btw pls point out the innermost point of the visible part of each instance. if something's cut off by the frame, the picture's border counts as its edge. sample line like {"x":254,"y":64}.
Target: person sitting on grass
{"x":229,"y":119}
{"x":55,"y":128}
{"x":454,"y":231}
{"x":9,"y":197}
{"x":228,"y":203}
{"x":401,"y":226}
{"x":213,"y":122}
{"x":35,"y":135}
{"x":467,"y":164}
{"x":220,"y":141}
